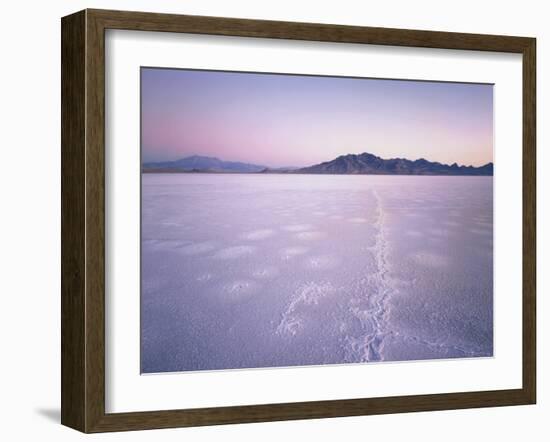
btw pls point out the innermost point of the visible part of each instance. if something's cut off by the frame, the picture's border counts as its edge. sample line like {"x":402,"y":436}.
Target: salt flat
{"x":261,"y":270}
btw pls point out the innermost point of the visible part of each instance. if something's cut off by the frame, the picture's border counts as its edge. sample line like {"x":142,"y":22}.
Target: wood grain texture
{"x":144,"y":21}
{"x":529,"y":221}
{"x":83,"y":220}
{"x":73,"y":129}
{"x":95,"y":221}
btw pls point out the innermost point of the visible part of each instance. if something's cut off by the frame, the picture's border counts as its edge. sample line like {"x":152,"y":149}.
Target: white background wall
{"x":30,"y":216}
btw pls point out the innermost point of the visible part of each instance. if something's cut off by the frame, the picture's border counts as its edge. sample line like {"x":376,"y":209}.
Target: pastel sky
{"x":290,"y":120}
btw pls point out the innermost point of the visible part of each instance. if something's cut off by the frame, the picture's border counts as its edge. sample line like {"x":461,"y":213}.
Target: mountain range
{"x":197,"y":163}
{"x":352,"y":164}
{"x":368,"y":164}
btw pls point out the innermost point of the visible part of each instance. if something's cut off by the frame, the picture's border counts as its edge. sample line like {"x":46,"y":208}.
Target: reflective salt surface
{"x":242,"y":271}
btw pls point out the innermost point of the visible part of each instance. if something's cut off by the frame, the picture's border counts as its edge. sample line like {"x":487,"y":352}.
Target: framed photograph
{"x":269,"y":220}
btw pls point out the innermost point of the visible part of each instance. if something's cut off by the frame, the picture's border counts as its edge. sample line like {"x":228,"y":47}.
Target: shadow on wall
{"x":51,"y":414}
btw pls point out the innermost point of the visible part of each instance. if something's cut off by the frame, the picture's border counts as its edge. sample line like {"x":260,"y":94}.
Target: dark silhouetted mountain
{"x":368,"y":164}
{"x":358,"y":164}
{"x":198,"y":163}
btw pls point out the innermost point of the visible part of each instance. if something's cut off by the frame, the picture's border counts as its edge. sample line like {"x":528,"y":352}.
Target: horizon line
{"x":310,"y":165}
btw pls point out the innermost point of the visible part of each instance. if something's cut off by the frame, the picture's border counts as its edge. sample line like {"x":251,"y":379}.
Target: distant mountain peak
{"x":199,"y":163}
{"x":199,"y":157}
{"x":368,"y":164}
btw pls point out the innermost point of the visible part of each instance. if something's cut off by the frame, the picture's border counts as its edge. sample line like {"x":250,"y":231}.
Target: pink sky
{"x":290,"y":120}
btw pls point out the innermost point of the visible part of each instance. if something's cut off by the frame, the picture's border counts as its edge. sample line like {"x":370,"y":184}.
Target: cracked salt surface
{"x":243,"y":271}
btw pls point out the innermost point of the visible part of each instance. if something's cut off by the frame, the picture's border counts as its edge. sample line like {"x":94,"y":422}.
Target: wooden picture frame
{"x":83,"y":220}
